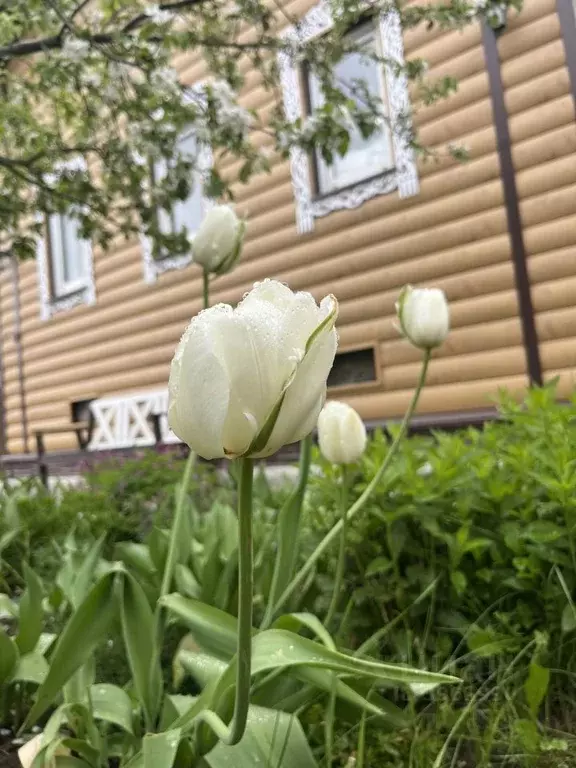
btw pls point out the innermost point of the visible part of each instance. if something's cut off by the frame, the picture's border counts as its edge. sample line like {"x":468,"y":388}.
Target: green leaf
{"x":112,"y":704}
{"x":287,"y":528}
{"x":8,"y":608}
{"x":568,"y":619}
{"x":203,"y":667}
{"x":136,"y":556}
{"x":31,"y":614}
{"x":8,"y":657}
{"x":544,"y":532}
{"x":68,"y":761}
{"x":7,"y":538}
{"x":459,"y":581}
{"x":85,"y":629}
{"x":32,"y":668}
{"x":213,"y":630}
{"x":139,"y":630}
{"x":272,"y":738}
{"x":160,"y":748}
{"x":294,"y":622}
{"x":186,"y":582}
{"x":377,"y":566}
{"x":85,"y":575}
{"x":536,"y":687}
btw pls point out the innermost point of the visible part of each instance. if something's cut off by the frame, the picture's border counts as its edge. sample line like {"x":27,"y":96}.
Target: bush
{"x":467,"y":556}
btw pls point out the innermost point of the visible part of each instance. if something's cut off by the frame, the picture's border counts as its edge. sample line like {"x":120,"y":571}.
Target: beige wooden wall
{"x":543,"y":132}
{"x":453,"y":234}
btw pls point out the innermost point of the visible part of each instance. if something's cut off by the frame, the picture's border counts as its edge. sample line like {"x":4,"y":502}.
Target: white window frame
{"x":404,"y":177}
{"x":154,"y":267}
{"x":56,"y":294}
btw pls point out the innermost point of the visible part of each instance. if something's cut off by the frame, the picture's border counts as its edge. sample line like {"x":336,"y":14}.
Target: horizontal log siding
{"x":453,"y":234}
{"x":539,"y":100}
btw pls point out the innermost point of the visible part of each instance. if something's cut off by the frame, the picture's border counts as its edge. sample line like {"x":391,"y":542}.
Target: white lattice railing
{"x":123,"y":421}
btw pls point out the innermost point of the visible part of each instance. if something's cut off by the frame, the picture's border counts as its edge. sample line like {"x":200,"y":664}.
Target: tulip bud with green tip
{"x":218,"y":243}
{"x":341,"y":433}
{"x":424,"y":316}
{"x":246,"y":381}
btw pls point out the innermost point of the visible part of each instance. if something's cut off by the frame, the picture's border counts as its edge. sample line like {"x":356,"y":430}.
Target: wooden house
{"x":498,"y":233}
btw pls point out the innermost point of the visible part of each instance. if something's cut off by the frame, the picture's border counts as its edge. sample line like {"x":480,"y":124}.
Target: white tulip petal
{"x":199,"y":389}
{"x":246,"y":381}
{"x":305,"y":395}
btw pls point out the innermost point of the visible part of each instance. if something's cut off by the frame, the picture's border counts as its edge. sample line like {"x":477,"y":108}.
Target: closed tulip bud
{"x":218,"y":243}
{"x":341,"y":433}
{"x":424,"y":316}
{"x":246,"y":381}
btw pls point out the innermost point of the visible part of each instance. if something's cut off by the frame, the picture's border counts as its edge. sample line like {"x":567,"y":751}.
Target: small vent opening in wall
{"x":356,"y":366}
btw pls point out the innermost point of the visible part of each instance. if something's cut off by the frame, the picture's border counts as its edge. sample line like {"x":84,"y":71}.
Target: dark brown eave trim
{"x":515,"y":228}
{"x":567,"y":18}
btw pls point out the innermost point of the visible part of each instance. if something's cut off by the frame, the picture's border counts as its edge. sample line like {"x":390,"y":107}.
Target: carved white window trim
{"x":405,"y":176}
{"x":152,"y":267}
{"x":50,"y":304}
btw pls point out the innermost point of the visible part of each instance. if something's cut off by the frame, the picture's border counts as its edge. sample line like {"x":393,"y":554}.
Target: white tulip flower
{"x":246,"y":381}
{"x":424,"y":316}
{"x":341,"y":433}
{"x":217,"y":244}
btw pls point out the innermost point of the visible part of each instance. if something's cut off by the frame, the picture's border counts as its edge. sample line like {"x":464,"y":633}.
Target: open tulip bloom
{"x":246,"y":381}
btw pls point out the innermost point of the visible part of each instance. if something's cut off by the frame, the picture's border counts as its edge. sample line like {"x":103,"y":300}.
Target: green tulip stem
{"x":232,"y":734}
{"x":361,"y":501}
{"x":206,"y":287}
{"x":245,"y":591}
{"x":339,"y":577}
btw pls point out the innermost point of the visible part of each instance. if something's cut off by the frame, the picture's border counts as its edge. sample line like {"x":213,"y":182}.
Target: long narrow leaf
{"x":272,"y":738}
{"x":86,"y":628}
{"x":8,"y":657}
{"x":31,"y":614}
{"x":139,"y":633}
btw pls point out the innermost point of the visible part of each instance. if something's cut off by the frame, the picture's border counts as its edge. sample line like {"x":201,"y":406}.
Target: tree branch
{"x":53,"y":42}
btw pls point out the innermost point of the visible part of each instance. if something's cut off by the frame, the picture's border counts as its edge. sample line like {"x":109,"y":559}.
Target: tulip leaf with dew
{"x":272,"y":738}
{"x":246,"y":381}
{"x":8,"y":657}
{"x":31,"y":617}
{"x":85,"y":630}
{"x":112,"y":705}
{"x":140,"y":639}
{"x":31,"y":668}
{"x":279,"y":649}
{"x":160,"y":749}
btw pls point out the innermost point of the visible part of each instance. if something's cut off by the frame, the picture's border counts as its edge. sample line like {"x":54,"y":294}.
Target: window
{"x":353,"y":367}
{"x":379,"y":165}
{"x":69,"y":256}
{"x":365,"y":157}
{"x":65,"y":267}
{"x":185,"y":214}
